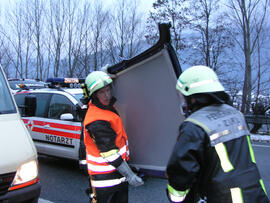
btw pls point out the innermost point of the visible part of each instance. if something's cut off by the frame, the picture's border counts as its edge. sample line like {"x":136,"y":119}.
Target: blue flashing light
{"x":55,"y":80}
{"x":65,"y":82}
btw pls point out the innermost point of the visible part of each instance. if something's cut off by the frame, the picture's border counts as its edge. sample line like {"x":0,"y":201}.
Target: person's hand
{"x":135,"y":180}
{"x":105,"y":69}
{"x":131,"y":177}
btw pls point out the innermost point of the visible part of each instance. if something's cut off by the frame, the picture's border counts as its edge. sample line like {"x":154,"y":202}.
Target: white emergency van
{"x":19,"y":180}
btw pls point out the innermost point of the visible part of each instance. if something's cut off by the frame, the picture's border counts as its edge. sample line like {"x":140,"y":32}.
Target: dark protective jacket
{"x":213,"y":158}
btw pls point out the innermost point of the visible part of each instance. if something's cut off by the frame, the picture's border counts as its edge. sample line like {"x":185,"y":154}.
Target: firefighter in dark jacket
{"x":213,"y":158}
{"x":106,"y":144}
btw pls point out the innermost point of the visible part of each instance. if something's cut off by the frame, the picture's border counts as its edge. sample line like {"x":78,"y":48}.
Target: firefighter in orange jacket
{"x":106,"y":143}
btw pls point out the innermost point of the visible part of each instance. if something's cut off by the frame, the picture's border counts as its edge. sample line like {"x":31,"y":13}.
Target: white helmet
{"x":198,"y":79}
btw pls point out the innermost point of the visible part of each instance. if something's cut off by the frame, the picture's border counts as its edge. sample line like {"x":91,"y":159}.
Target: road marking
{"x":257,"y":145}
{"x":40,"y":200}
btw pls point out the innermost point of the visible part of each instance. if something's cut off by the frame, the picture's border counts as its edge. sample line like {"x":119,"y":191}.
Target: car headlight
{"x":26,"y":172}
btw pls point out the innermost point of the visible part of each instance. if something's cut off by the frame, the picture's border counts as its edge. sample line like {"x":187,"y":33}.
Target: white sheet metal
{"x":150,"y":109}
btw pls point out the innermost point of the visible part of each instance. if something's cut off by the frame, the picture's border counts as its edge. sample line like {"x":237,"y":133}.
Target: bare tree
{"x":126,"y":32}
{"x":260,"y":80}
{"x":19,"y":34}
{"x":99,"y":23}
{"x":5,"y":58}
{"x":84,"y":58}
{"x":210,"y":39}
{"x":248,"y":17}
{"x":80,"y":31}
{"x":48,"y":53}
{"x":199,"y":30}
{"x":173,"y":11}
{"x":72,"y":30}
{"x":57,"y":21}
{"x":36,"y":11}
{"x":134,"y":35}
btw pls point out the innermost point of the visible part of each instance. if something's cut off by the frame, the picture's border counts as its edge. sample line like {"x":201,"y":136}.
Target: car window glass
{"x":59,"y":105}
{"x":78,"y":96}
{"x":42,"y":102}
{"x":19,"y":98}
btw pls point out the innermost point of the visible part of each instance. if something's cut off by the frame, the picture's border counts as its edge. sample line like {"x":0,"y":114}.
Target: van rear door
{"x":148,"y":103}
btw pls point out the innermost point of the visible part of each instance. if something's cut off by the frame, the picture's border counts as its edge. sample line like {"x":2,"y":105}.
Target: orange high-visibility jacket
{"x":95,"y":162}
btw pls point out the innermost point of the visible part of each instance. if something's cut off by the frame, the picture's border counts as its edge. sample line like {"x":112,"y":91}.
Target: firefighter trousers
{"x":114,"y":194}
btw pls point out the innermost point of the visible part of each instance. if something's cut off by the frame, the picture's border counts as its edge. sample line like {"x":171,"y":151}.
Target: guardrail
{"x":258,"y":124}
{"x":257,"y":119}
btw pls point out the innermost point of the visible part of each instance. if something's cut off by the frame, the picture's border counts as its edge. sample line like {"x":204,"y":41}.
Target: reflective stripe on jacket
{"x":95,"y":162}
{"x":221,"y":122}
{"x":221,"y":167}
{"x":107,"y":183}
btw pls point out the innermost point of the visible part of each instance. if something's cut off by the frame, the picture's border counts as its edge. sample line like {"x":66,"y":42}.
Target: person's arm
{"x":184,"y":164}
{"x":104,"y":137}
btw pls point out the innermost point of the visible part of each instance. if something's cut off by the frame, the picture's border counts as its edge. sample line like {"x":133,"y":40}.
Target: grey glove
{"x":131,"y":177}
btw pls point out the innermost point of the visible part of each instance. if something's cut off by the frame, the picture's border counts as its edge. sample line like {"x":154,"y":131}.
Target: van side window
{"x":7,"y":105}
{"x":59,"y":105}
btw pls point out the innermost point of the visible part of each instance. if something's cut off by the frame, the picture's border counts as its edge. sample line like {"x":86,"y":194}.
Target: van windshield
{"x":7,"y":105}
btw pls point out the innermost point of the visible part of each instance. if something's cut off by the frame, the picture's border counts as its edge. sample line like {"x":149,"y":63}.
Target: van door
{"x":149,"y":105}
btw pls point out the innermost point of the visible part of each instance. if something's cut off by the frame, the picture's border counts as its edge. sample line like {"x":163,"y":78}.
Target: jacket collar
{"x":110,"y":107}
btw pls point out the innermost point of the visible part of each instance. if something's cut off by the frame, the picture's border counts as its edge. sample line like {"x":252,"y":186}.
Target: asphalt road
{"x":262,"y":152}
{"x":63,"y":182}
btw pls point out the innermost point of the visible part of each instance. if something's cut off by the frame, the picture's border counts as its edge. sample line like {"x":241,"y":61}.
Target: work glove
{"x":105,"y":69}
{"x":131,"y":177}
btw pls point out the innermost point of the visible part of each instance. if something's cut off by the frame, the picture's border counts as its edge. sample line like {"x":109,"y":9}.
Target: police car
{"x":53,"y":116}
